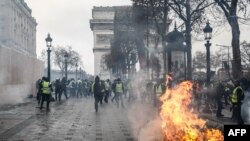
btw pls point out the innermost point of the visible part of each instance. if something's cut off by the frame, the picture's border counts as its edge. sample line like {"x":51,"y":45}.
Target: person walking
{"x":119,"y":89}
{"x":107,"y":90}
{"x":79,"y":88}
{"x":39,"y":92}
{"x":85,"y":88}
{"x":219,"y":95}
{"x":64,"y":84}
{"x":58,"y":89}
{"x":46,"y":89}
{"x":96,"y":90}
{"x":159,"y":89}
{"x":236,"y":100}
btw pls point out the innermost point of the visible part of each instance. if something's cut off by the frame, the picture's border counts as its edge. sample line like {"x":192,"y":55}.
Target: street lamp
{"x":80,"y":69}
{"x":66,"y":56}
{"x":208,"y":35}
{"x":48,"y":43}
{"x":76,"y":70}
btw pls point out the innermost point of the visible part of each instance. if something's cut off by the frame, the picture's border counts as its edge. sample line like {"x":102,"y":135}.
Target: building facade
{"x":19,"y":66}
{"x":17,"y":27}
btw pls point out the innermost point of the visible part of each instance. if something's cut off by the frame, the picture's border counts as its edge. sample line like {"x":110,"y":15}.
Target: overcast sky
{"x":68,"y":23}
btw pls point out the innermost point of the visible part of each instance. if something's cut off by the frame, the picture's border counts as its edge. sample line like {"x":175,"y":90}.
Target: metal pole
{"x":76,"y":73}
{"x":208,"y":44}
{"x":66,"y":75}
{"x":66,"y":71}
{"x":49,"y":62}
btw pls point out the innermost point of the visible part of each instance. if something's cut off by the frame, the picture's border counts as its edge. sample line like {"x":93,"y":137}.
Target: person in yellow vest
{"x":103,"y":90}
{"x":46,"y":89}
{"x":119,"y":90}
{"x":159,"y":89}
{"x":107,"y":90}
{"x":236,"y":100}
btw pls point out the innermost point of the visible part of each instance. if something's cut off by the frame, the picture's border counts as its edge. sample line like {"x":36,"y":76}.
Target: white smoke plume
{"x":13,"y":94}
{"x":145,"y":122}
{"x":245,"y":110}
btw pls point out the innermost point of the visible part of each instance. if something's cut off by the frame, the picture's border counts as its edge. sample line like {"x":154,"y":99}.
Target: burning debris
{"x":179,"y":122}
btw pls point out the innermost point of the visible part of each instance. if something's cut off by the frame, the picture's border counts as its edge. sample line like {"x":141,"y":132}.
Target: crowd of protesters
{"x":120,"y":91}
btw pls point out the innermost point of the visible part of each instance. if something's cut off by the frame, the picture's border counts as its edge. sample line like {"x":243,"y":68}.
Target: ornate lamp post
{"x":48,"y":44}
{"x":208,"y":35}
{"x":76,"y":70}
{"x":80,"y":69}
{"x":66,"y":56}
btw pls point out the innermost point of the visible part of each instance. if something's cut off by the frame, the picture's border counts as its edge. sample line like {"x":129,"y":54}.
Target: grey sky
{"x":68,"y":23}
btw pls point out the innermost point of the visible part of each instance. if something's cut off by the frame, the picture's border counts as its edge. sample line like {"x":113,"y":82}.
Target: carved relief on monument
{"x":103,"y":39}
{"x":103,"y":65}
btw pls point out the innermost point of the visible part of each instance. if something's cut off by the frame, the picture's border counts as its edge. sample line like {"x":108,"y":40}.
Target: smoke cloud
{"x":145,"y":122}
{"x":13,"y":94}
{"x":245,"y":110}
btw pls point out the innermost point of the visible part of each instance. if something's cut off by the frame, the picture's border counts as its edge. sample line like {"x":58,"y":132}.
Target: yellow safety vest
{"x":234,"y":98}
{"x":45,"y":87}
{"x":118,"y":88}
{"x":159,"y":90}
{"x":107,"y":86}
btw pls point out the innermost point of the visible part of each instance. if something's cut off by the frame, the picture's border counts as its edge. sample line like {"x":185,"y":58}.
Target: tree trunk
{"x":189,"y":56}
{"x":236,"y":65}
{"x":188,"y":41}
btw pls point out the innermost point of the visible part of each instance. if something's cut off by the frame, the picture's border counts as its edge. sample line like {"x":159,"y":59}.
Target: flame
{"x":179,"y":122}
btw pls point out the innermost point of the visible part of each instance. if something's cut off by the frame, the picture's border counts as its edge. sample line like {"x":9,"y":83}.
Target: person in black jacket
{"x":96,"y":89}
{"x":64,"y":84}
{"x":58,"y":89}
{"x":219,"y":94}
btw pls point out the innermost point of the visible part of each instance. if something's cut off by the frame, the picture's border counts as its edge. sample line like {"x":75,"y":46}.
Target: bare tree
{"x":152,"y":12}
{"x":57,"y":57}
{"x":235,"y":11}
{"x":73,"y":58}
{"x":245,"y":52}
{"x":192,"y":13}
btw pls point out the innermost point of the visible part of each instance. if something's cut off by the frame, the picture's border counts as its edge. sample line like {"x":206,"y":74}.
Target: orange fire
{"x":179,"y":122}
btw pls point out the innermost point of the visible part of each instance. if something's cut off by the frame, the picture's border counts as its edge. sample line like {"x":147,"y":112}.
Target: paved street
{"x":74,"y":119}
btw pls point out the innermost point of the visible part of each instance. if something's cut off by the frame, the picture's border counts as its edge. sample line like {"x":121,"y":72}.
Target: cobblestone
{"x":71,"y":120}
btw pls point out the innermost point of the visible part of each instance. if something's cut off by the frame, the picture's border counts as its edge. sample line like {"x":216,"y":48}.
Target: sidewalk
{"x":5,"y":107}
{"x":216,"y":122}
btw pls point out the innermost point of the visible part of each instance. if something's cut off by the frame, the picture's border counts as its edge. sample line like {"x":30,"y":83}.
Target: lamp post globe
{"x":208,"y":35}
{"x":48,"y":40}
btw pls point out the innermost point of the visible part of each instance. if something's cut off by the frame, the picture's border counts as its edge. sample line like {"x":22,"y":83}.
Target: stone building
{"x":19,"y":66}
{"x":17,"y":27}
